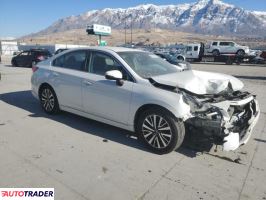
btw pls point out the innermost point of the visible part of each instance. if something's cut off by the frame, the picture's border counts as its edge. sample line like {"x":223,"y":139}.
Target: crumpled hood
{"x":199,"y":82}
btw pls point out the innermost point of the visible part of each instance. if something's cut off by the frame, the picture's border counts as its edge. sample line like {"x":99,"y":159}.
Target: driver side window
{"x":101,"y":63}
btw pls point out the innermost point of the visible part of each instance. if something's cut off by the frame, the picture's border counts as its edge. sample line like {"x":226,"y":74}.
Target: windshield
{"x":147,"y":64}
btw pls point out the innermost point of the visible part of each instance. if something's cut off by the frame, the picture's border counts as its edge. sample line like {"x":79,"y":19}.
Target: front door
{"x":189,"y":52}
{"x":104,"y":98}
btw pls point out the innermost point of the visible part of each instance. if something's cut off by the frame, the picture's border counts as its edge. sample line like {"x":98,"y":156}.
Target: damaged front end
{"x":226,"y":119}
{"x":218,"y":107}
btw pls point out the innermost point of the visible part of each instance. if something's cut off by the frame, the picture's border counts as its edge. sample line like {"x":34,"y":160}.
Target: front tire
{"x":49,"y":100}
{"x":240,"y":52}
{"x":160,"y":130}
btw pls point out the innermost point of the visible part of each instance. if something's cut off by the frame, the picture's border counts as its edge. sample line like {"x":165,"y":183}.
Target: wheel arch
{"x":215,"y":50}
{"x":56,"y":107}
{"x":240,"y":50}
{"x":147,"y":107}
{"x":45,"y":84}
{"x":182,"y":57}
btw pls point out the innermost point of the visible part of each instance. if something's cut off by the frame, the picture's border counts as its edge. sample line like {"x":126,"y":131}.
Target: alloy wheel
{"x":47,"y":99}
{"x":156,"y":131}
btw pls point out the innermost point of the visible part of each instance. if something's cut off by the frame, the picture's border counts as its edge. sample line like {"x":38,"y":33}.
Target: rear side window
{"x":101,"y":63}
{"x":59,"y":62}
{"x":214,"y":44}
{"x":74,"y":60}
{"x":24,"y":53}
{"x":224,"y":43}
{"x":42,"y":53}
{"x":196,"y":48}
{"x":189,"y":48}
{"x":45,"y":53}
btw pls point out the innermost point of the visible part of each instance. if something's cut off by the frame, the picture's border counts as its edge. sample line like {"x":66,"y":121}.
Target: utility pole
{"x":131,"y":28}
{"x":125,"y":32}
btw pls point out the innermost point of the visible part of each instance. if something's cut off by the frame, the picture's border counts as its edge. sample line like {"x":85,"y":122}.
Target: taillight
{"x":34,"y":68}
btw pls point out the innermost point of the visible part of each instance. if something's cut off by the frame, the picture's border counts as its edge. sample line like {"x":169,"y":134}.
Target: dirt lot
{"x":152,"y":36}
{"x":84,"y":159}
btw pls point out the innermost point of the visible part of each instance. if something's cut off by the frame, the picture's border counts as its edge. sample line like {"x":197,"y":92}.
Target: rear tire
{"x":180,"y":58}
{"x":216,"y":52}
{"x":160,"y":130}
{"x":14,"y":63}
{"x":49,"y":100}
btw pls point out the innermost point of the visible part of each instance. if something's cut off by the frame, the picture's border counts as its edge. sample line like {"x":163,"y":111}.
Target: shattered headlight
{"x":196,"y":104}
{"x":201,"y":108}
{"x":192,"y":101}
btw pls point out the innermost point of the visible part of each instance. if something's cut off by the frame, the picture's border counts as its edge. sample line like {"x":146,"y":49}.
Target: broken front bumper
{"x":228,"y":123}
{"x":239,"y":136}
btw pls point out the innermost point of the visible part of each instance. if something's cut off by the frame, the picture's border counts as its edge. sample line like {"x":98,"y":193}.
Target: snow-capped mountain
{"x":204,"y":16}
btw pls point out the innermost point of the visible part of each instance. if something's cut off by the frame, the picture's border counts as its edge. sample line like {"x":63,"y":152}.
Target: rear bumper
{"x":34,"y":87}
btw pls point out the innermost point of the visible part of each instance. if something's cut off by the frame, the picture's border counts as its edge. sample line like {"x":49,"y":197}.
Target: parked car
{"x":30,"y":57}
{"x":138,"y":91}
{"x":226,"y":47}
{"x":16,"y":53}
{"x":59,"y":51}
{"x":173,"y":60}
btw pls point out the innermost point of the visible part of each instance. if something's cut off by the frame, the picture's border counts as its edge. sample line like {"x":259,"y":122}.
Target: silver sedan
{"x":140,"y":92}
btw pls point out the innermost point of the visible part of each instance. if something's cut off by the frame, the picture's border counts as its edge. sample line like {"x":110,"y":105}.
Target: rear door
{"x":67,"y":76}
{"x":231,"y":47}
{"x":30,"y":58}
{"x":195,"y":52}
{"x":225,"y":47}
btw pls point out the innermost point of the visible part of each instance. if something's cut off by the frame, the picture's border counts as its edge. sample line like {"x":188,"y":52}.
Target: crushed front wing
{"x":240,"y":126}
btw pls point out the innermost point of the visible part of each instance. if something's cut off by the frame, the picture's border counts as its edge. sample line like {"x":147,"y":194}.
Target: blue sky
{"x":20,"y":17}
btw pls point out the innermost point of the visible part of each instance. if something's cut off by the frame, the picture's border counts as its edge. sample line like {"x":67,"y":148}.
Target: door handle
{"x":88,"y":83}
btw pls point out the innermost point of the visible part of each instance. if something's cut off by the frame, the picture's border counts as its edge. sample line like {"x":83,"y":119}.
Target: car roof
{"x":107,"y":48}
{"x":222,"y":41}
{"x":38,"y":50}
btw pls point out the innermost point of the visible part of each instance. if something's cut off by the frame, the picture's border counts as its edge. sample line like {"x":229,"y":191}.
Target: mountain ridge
{"x":204,"y":17}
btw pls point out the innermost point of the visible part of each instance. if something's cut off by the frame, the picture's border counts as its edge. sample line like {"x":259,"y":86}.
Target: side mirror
{"x":115,"y":75}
